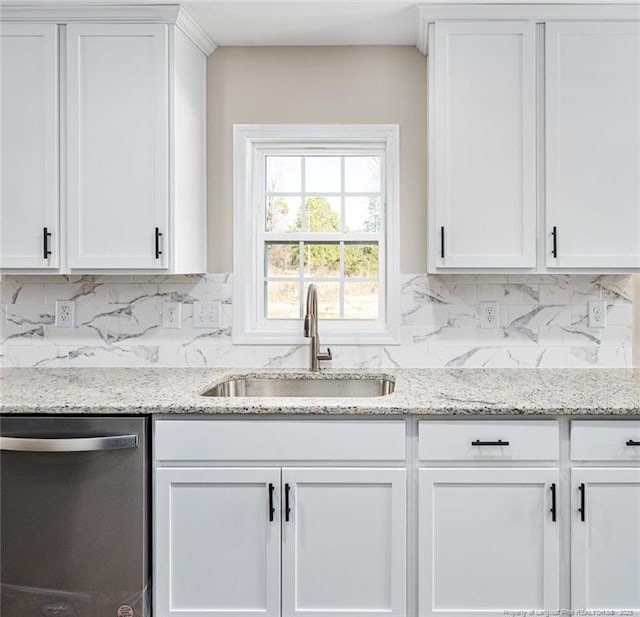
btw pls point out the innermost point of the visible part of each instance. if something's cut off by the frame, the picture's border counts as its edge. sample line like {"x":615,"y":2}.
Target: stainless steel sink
{"x":329,"y":386}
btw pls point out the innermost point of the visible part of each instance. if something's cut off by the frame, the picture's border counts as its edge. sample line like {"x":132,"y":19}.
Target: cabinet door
{"x":593,"y":144}
{"x":343,"y":542}
{"x":487,"y":541}
{"x":117,"y":127}
{"x":28,"y":145}
{"x":605,"y":536}
{"x":217,"y":544}
{"x":483,"y":145}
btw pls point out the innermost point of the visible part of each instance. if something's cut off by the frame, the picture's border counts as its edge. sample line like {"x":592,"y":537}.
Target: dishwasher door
{"x":74,"y":517}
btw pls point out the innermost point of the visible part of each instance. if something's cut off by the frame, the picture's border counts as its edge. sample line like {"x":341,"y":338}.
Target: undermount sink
{"x":329,"y":386}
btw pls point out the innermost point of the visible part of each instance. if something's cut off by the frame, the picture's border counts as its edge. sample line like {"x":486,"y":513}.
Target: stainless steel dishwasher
{"x":74,"y":517}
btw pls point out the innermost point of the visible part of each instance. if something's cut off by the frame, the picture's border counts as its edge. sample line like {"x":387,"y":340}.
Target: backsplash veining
{"x":543,"y":323}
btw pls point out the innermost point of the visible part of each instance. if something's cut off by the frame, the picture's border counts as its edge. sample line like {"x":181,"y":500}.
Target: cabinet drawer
{"x":272,"y":440}
{"x":605,"y":440}
{"x":478,"y":440}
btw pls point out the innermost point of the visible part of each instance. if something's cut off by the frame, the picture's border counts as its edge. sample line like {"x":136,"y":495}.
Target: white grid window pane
{"x":318,"y":211}
{"x":282,"y":300}
{"x":283,"y":212}
{"x":322,"y":174}
{"x":284,"y":174}
{"x":362,"y":174}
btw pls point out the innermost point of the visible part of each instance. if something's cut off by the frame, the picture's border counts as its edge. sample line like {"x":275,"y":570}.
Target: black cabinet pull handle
{"x":272,"y":510}
{"x":631,"y":442}
{"x":442,"y":242}
{"x":287,"y":507}
{"x":554,"y":235}
{"x":158,"y":236}
{"x":45,"y":243}
{"x":477,"y":442}
{"x":582,"y":508}
{"x":553,"y":502}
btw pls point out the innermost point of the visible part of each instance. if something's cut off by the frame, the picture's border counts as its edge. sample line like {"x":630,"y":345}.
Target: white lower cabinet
{"x":488,"y":541}
{"x":343,"y":542}
{"x":605,"y":538}
{"x":230,"y":541}
{"x":217,"y":542}
{"x":247,"y":541}
{"x":308,"y":518}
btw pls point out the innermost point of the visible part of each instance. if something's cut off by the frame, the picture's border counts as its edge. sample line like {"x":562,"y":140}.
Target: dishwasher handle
{"x":75,"y":444}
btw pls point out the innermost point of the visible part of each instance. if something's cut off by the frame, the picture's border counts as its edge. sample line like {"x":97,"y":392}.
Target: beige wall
{"x":259,"y":85}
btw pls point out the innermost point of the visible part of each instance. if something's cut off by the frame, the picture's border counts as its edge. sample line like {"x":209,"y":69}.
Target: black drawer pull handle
{"x":631,"y":442}
{"x":45,"y":243}
{"x":158,"y":236}
{"x":582,"y":509}
{"x":272,"y":510}
{"x":287,"y":507}
{"x":477,"y":442}
{"x":553,"y":502}
{"x":554,"y":235}
{"x":442,"y":242}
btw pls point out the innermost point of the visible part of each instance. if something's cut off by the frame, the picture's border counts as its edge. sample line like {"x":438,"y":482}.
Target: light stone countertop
{"x":459,"y":392}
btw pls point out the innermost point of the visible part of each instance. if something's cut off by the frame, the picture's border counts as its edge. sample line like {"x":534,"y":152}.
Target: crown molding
{"x":540,"y":13}
{"x":62,"y":13}
{"x":198,"y":36}
{"x":66,"y":13}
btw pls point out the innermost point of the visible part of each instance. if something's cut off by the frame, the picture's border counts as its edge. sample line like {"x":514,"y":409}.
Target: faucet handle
{"x":326,"y":356}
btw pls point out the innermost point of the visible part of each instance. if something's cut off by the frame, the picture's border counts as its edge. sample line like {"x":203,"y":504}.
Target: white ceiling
{"x":306,"y":22}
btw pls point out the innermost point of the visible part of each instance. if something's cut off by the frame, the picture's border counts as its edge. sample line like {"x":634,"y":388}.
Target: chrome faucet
{"x":311,"y":329}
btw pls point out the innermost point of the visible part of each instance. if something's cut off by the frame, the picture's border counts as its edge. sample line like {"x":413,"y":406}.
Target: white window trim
{"x":247,"y":327}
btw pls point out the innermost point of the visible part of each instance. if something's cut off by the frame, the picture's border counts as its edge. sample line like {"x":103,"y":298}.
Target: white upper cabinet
{"x":593,"y":144}
{"x":483,"y":151}
{"x":534,"y":137}
{"x":29,"y":146}
{"x":117,"y":145}
{"x":130,"y":107}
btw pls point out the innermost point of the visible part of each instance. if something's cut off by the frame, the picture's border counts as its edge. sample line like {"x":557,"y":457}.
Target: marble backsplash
{"x":543,"y":323}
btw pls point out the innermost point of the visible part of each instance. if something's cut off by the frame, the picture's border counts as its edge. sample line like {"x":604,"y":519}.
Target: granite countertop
{"x":553,"y":392}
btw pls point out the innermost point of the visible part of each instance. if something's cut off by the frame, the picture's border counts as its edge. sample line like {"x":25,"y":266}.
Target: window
{"x":315,"y":204}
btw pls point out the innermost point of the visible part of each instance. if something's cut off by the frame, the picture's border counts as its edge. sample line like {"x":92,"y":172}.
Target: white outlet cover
{"x":489,"y":315}
{"x":65,"y":314}
{"x":597,"y":314}
{"x":206,"y":314}
{"x":172,"y":315}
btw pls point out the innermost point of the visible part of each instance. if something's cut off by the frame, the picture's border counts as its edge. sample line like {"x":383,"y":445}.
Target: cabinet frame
{"x":440,"y":229}
{"x":77,"y":209}
{"x":529,"y":476}
{"x":168,"y":478}
{"x":582,"y":480}
{"x":555,"y":201}
{"x":49,"y":210}
{"x":292,"y":479}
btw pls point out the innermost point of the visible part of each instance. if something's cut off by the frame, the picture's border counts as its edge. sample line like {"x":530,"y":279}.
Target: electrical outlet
{"x":489,"y":315}
{"x":597,"y":314}
{"x":65,"y":314}
{"x":206,"y":314}
{"x":171,"y":315}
